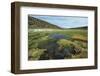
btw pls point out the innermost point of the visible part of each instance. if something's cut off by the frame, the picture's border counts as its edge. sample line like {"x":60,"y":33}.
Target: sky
{"x":65,"y":21}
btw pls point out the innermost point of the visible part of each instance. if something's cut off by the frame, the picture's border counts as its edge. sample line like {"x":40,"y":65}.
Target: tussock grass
{"x":78,"y":38}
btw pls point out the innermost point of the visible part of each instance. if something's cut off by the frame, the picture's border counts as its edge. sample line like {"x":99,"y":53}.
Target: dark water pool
{"x":59,"y":36}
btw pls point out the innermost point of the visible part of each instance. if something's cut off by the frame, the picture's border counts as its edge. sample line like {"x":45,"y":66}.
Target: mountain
{"x":38,"y":23}
{"x":83,"y":27}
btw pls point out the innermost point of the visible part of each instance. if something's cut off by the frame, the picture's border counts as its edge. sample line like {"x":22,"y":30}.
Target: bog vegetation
{"x":57,"y":44}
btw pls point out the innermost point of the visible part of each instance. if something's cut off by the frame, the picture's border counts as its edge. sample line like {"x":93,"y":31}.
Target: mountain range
{"x":36,"y":23}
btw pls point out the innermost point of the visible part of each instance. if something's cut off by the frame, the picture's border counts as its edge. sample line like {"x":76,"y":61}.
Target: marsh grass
{"x":40,"y":38}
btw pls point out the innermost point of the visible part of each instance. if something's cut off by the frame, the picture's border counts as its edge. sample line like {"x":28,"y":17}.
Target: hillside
{"x":37,"y":24}
{"x":84,"y":27}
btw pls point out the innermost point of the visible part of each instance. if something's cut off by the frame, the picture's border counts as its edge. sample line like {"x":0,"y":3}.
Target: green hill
{"x":38,"y":24}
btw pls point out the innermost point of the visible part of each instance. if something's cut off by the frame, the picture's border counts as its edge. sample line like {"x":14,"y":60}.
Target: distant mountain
{"x":83,"y":27}
{"x":38,"y":23}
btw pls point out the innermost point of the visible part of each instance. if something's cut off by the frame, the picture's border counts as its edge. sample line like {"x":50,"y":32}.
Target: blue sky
{"x":65,"y":21}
